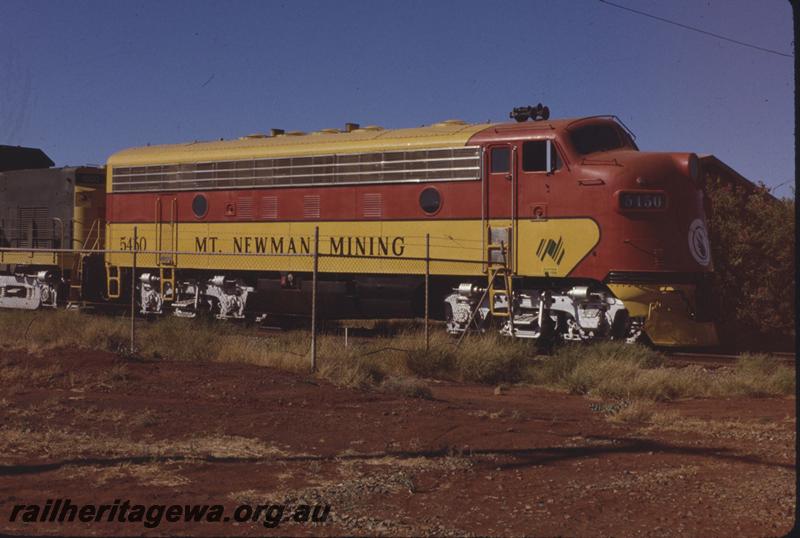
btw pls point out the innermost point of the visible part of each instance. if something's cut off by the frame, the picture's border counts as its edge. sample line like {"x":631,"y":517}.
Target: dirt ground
{"x":93,"y":427}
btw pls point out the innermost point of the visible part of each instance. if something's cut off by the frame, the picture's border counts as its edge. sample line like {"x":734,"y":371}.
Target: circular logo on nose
{"x":698,"y":242}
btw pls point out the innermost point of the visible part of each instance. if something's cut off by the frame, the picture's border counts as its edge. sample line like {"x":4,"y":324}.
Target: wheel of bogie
{"x":619,"y":327}
{"x":205,"y":311}
{"x":547,"y":336}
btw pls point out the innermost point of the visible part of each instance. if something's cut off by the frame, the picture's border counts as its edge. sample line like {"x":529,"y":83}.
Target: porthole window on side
{"x":200,"y":206}
{"x":430,"y":200}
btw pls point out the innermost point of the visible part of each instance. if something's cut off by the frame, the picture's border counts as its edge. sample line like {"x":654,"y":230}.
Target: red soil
{"x":525,"y":462}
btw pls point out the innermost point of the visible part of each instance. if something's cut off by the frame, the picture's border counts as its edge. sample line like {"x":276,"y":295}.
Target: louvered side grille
{"x":441,"y":164}
{"x":372,"y":205}
{"x":311,"y":206}
{"x":269,"y":207}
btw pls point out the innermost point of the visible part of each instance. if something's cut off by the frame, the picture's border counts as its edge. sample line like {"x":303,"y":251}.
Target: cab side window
{"x":534,"y":156}
{"x":501,"y":160}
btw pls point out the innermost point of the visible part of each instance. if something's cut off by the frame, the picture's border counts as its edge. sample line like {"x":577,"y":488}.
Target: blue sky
{"x":84,"y":79}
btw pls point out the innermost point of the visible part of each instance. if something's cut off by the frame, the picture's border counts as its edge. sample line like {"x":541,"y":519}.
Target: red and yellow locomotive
{"x":552,"y":228}
{"x":544,"y":229}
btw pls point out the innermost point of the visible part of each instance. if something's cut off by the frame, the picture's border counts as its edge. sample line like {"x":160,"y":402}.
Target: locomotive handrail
{"x":514,"y":216}
{"x":157,"y":220}
{"x":484,"y":186}
{"x":173,"y":227}
{"x":61,"y":228}
{"x":94,"y":245}
{"x":61,"y":236}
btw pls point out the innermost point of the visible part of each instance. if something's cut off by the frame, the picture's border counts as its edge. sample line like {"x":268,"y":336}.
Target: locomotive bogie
{"x":571,"y":313}
{"x":254,"y":295}
{"x":29,"y":291}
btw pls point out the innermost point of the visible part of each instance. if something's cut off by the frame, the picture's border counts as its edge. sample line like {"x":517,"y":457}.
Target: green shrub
{"x":752,"y":237}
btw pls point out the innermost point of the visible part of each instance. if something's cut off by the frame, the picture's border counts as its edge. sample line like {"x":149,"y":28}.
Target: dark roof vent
{"x":536,"y":113}
{"x":19,"y":158}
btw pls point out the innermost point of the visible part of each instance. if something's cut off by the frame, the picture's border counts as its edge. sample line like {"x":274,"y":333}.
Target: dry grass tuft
{"x":115,"y":376}
{"x":95,"y":414}
{"x":408,"y":387}
{"x":633,"y":372}
{"x":437,"y":362}
{"x":350,"y":370}
{"x":636,"y":412}
{"x":756,"y":375}
{"x":489,"y":359}
{"x":146,"y":418}
{"x":501,"y":389}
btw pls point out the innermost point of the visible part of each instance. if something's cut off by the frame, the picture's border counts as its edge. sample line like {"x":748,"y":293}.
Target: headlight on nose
{"x":641,"y":201}
{"x":694,"y":167}
{"x":688,"y":164}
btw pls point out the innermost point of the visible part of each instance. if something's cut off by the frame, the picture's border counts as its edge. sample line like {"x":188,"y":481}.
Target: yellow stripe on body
{"x":265,"y":246}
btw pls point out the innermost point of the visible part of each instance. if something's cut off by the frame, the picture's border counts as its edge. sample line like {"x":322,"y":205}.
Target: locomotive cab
{"x":602,"y":229}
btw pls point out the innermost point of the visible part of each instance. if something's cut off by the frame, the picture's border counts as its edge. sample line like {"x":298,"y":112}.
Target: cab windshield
{"x":599,"y":137}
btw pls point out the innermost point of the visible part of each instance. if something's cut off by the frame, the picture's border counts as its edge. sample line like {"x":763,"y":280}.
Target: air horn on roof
{"x":536,"y":113}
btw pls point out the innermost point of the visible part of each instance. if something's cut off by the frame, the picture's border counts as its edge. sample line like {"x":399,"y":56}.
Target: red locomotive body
{"x":544,"y":228}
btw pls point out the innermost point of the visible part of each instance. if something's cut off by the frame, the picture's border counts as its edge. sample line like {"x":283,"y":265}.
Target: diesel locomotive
{"x":542,"y":228}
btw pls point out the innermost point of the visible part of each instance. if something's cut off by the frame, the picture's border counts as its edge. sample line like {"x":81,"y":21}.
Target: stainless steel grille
{"x":269,"y":207}
{"x":244,"y":207}
{"x":372,"y":205}
{"x":311,"y":206}
{"x":442,"y":164}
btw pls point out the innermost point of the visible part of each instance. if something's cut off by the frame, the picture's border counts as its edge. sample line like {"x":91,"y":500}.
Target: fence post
{"x":314,"y":301}
{"x":427,"y":289}
{"x":135,"y":248}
